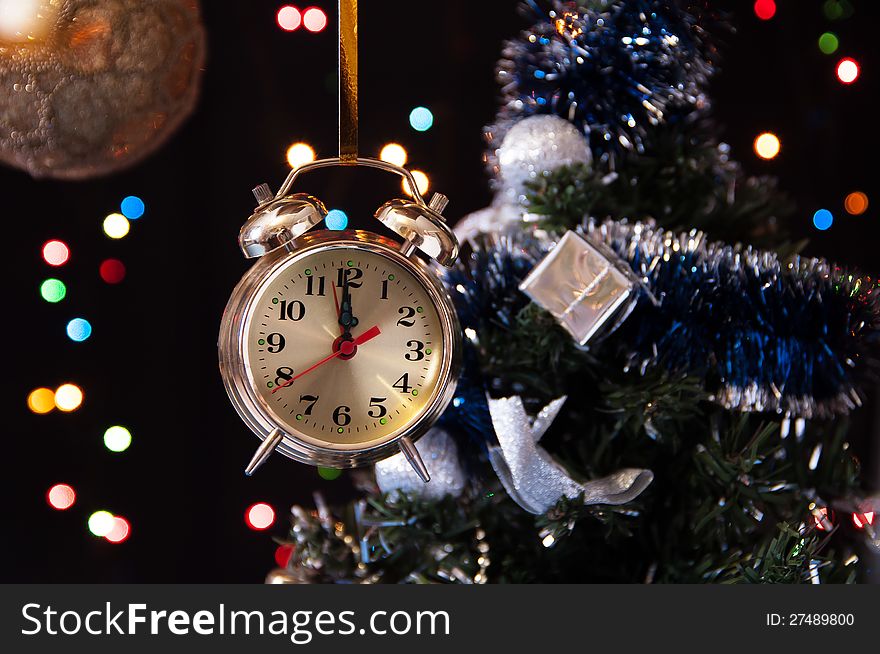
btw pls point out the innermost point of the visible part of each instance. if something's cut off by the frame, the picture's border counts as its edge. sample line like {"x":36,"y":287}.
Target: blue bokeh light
{"x":336,"y":219}
{"x":79,"y":329}
{"x":823,"y":219}
{"x":421,"y":119}
{"x":133,"y":207}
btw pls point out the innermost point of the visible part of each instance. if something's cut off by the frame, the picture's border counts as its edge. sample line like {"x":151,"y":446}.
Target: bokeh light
{"x":767,"y":145}
{"x":837,"y":9}
{"x":299,"y":154}
{"x":56,"y":253}
{"x":132,"y":207}
{"x":68,"y":397}
{"x":41,"y":400}
{"x":260,"y":516}
{"x":112,"y":271}
{"x":421,"y":119}
{"x":856,"y":203}
{"x":53,"y":290}
{"x":283,"y":554}
{"x":847,"y":70}
{"x":422,"y":183}
{"x":765,"y":9}
{"x":393,"y":153}
{"x":828,"y":43}
{"x":120,"y":531}
{"x":289,"y":18}
{"x":79,"y":329}
{"x":329,"y":473}
{"x":61,"y":497}
{"x":117,"y":438}
{"x":860,"y":520}
{"x":336,"y":219}
{"x":314,"y":19}
{"x":116,"y":225}
{"x":823,"y":219}
{"x":101,"y":523}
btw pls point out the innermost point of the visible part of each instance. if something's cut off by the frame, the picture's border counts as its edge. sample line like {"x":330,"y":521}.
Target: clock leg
{"x":415,"y":459}
{"x":264,"y":451}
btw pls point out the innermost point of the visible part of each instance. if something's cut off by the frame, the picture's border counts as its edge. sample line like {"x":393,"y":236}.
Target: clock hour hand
{"x":346,"y":317}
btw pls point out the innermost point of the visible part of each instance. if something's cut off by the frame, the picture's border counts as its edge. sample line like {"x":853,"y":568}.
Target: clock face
{"x":344,"y":347}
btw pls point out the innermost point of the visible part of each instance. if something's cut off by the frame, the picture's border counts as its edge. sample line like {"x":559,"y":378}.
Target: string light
{"x":828,"y":43}
{"x":117,"y":438}
{"x":79,"y":330}
{"x":53,"y":290}
{"x":767,"y":145}
{"x":336,"y":219}
{"x":132,"y":207}
{"x":300,"y":154}
{"x":116,"y":226}
{"x":823,"y":219}
{"x":41,"y":400}
{"x":112,"y":271}
{"x":61,"y":497}
{"x":120,"y":531}
{"x":393,"y":153}
{"x":259,"y":516}
{"x":848,"y":70}
{"x":68,"y":397}
{"x":289,"y":18}
{"x":856,"y":203}
{"x":422,"y":183}
{"x":765,"y":9}
{"x":56,"y":253}
{"x":860,"y":520}
{"x":101,"y":523}
{"x":314,"y":19}
{"x":421,"y":119}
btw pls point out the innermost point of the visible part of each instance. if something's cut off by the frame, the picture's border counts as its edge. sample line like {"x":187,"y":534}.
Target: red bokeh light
{"x":289,"y":18}
{"x":56,"y":253}
{"x":848,"y":70}
{"x":314,"y":19}
{"x":112,"y":271}
{"x":765,"y":9}
{"x":259,"y":516}
{"x":120,"y":532}
{"x":61,"y":497}
{"x":283,"y":554}
{"x":861,"y":520}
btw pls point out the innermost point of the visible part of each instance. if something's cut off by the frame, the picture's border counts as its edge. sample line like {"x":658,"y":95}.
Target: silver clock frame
{"x":254,"y":410}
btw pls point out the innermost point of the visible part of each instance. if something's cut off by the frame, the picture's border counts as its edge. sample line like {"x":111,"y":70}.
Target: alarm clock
{"x":341,"y":348}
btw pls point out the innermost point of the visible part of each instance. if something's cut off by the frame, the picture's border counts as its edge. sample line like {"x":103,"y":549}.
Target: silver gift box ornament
{"x":589,"y":291}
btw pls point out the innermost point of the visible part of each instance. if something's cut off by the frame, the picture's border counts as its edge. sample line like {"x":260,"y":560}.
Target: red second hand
{"x":371,"y":333}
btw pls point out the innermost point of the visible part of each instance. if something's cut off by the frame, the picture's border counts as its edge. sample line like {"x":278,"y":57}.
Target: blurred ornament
{"x":586,"y":290}
{"x":531,"y":476}
{"x":614,"y":69}
{"x":440,"y":454}
{"x":533,"y":147}
{"x":90,"y":87}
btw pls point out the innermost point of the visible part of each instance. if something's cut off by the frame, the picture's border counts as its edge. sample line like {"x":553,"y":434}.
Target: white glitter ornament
{"x":88,"y":87}
{"x":440,"y":455}
{"x":534,"y":146}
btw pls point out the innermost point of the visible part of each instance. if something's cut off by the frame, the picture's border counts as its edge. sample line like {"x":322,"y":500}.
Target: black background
{"x":151,"y":362}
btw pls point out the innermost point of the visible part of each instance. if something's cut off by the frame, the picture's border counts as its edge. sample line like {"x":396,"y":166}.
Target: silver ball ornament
{"x":440,"y":454}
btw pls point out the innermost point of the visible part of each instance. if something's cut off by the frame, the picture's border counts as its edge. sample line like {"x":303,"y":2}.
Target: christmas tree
{"x":656,"y":385}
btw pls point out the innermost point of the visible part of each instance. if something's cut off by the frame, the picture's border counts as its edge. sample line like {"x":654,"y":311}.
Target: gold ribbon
{"x":348,"y":81}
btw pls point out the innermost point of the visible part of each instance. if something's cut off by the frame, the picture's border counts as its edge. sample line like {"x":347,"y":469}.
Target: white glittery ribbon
{"x":531,"y":476}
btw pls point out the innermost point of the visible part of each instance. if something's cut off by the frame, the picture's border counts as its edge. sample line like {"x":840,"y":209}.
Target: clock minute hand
{"x":346,"y":319}
{"x":346,"y":347}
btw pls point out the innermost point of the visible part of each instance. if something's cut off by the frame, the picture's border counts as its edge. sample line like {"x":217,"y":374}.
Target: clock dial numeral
{"x":349,"y":275}
{"x":341,"y":415}
{"x":407,"y":313}
{"x":295,"y":310}
{"x":377,"y":409}
{"x":276,"y":342}
{"x":311,"y":400}
{"x":384,"y":295}
{"x":284,"y":375}
{"x":416,"y":351}
{"x":310,"y":285}
{"x":402,"y":384}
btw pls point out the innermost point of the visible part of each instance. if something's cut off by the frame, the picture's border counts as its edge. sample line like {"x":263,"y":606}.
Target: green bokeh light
{"x":329,"y":473}
{"x":828,"y":43}
{"x":53,"y":290}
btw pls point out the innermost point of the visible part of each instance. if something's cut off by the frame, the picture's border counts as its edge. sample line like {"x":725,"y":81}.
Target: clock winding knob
{"x":438,"y":202}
